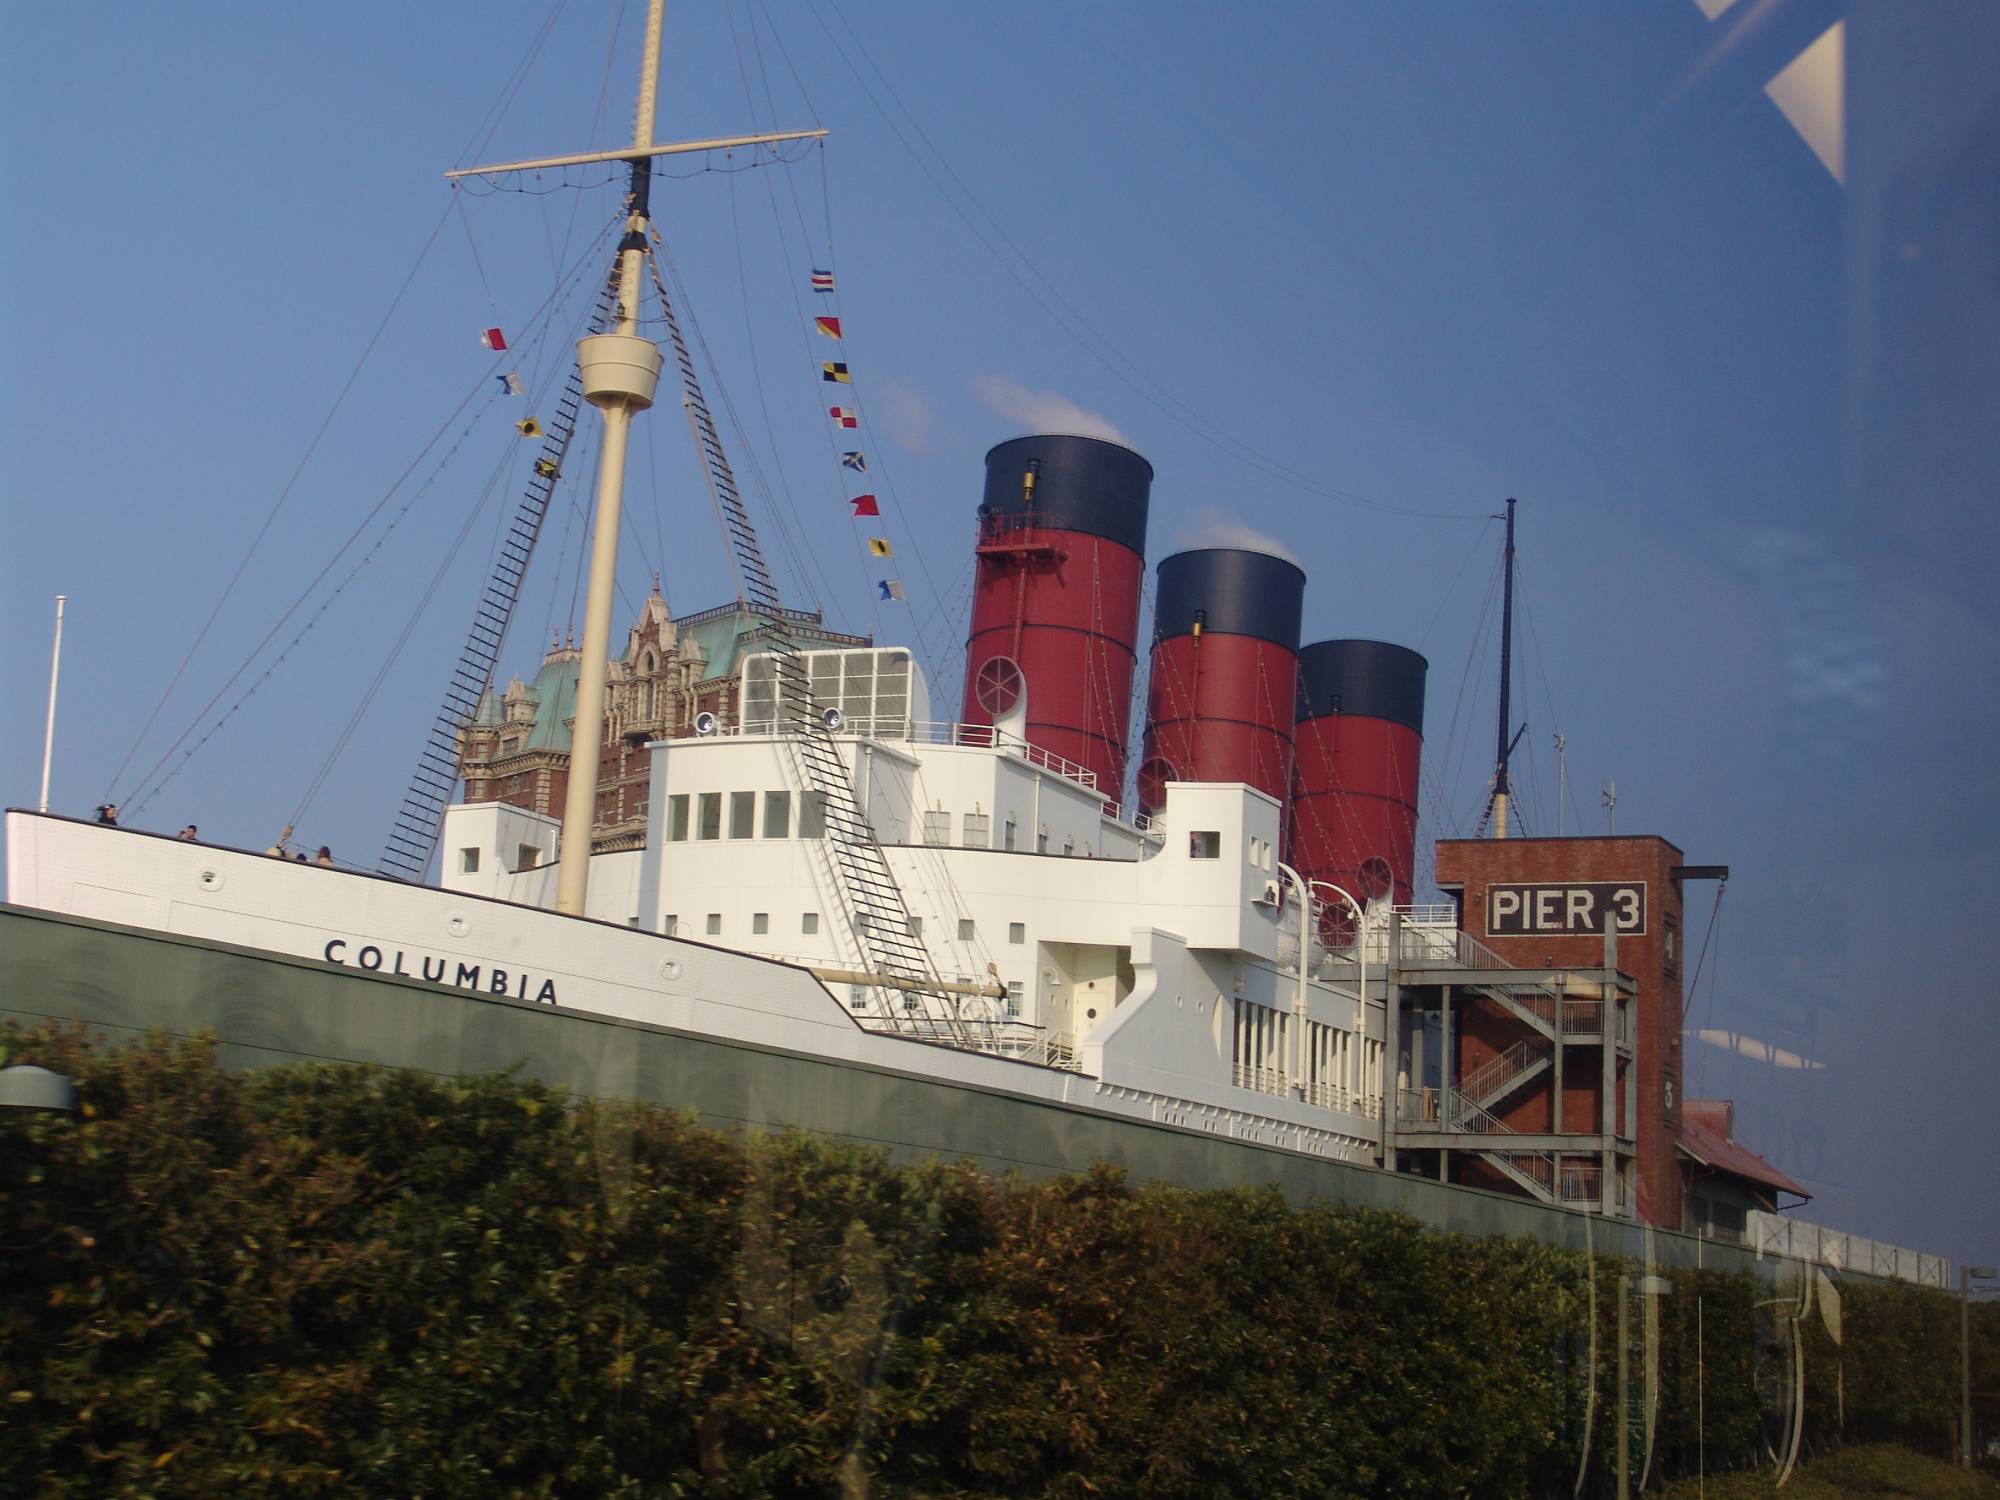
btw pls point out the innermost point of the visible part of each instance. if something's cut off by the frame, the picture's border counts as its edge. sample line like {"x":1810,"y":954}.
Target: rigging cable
{"x":332,"y":562}
{"x":1102,"y":349}
{"x":271,"y":517}
{"x":1542,"y":669}
{"x":485,"y":498}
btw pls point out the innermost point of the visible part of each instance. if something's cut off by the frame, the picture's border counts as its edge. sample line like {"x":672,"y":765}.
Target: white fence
{"x":1773,"y":1234}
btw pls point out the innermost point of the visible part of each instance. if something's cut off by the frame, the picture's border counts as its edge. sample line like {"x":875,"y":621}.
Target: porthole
{"x":210,"y":879}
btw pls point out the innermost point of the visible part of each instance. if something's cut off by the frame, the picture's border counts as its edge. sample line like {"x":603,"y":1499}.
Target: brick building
{"x":517,"y":748}
{"x":1543,"y":1054}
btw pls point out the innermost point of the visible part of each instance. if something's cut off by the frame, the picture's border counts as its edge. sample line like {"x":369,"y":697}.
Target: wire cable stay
{"x":1067,"y":316}
{"x":277,"y":505}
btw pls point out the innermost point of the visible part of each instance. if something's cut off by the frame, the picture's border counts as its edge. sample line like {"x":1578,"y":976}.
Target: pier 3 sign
{"x":1566,"y":910}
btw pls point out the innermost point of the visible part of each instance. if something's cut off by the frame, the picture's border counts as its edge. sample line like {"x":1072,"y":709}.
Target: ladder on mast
{"x":872,"y":901}
{"x":414,"y":835}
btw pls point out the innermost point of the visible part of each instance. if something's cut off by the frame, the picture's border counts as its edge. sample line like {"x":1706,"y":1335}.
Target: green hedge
{"x":352,"y":1281}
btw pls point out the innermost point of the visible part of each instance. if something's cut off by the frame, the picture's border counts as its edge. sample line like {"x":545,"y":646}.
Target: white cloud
{"x":1212,"y":527}
{"x":1041,"y":411}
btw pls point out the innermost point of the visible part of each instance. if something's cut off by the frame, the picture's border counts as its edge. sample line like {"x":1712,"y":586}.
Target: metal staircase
{"x":1497,"y":1077}
{"x":413,"y":837}
{"x":1535,"y":1171}
{"x":858,"y":871}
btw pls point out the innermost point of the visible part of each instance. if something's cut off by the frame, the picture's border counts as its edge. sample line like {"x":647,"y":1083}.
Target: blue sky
{"x":1430,"y":256}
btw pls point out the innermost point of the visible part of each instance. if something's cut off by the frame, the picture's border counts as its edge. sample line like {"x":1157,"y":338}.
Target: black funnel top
{"x":1234,"y":591}
{"x":1081,"y":484}
{"x":1371,"y":678}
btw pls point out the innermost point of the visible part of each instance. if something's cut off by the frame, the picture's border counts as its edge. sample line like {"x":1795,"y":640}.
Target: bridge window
{"x":777,"y":815}
{"x":1205,"y":843}
{"x":468,"y":861}
{"x":742,"y":815}
{"x":708,"y":816}
{"x":677,"y":817}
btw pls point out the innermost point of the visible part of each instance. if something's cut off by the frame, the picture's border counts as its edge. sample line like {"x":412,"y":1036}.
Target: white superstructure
{"x":1163,"y":959}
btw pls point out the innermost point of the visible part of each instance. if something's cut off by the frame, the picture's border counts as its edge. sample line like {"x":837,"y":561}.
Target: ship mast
{"x":621,"y":371}
{"x":1502,"y":785}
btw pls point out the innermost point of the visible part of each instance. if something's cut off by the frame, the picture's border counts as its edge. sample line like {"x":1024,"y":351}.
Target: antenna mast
{"x":1502,"y":785}
{"x":619,"y":374}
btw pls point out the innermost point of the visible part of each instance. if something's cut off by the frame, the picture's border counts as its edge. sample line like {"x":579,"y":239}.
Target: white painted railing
{"x":1773,"y":1234}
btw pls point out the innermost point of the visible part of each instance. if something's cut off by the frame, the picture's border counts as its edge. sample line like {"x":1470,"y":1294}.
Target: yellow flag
{"x":880,"y":546}
{"x":528,"y":427}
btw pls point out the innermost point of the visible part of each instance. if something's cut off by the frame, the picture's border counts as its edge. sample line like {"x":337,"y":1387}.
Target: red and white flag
{"x":493,"y":338}
{"x":844,"y":416}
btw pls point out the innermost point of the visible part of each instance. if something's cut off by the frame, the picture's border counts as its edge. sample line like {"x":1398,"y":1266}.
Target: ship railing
{"x":989,"y":737}
{"x":1328,"y":1095}
{"x":1261,"y":1080}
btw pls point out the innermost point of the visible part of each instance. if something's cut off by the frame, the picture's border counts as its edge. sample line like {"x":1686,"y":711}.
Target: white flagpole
{"x":49,"y":732}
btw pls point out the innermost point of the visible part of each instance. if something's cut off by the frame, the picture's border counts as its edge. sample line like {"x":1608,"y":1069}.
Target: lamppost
{"x":27,"y":1089}
{"x":1966,"y":1276}
{"x":1360,"y":986}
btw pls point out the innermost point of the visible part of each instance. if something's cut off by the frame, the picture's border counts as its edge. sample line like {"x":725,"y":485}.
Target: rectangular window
{"x":670,"y":925}
{"x":742,"y":815}
{"x":1017,"y":932}
{"x":677,"y":817}
{"x":978,"y":831}
{"x":1014,"y":995}
{"x":777,"y":815}
{"x":1204,"y":843}
{"x":708,"y":816}
{"x":809,"y":923}
{"x":857,"y":997}
{"x":1010,"y":835}
{"x":937,"y":826}
{"x":760,"y":922}
{"x":468,"y":861}
{"x":967,"y":929}
{"x":715,"y":924}
{"x":812,"y":815}
{"x":526,"y":857}
{"x":916,"y":927}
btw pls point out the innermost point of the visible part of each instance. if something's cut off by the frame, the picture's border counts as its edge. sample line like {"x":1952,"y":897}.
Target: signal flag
{"x":493,"y":338}
{"x":835,"y":372}
{"x":890,"y":588}
{"x":822,"y":281}
{"x":528,"y":427}
{"x":844,"y":415}
{"x":828,"y":326}
{"x":852,"y":459}
{"x":879,"y":546}
{"x":864,"y":505}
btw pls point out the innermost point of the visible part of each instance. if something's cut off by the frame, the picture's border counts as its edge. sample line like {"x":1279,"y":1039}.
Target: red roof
{"x":1704,"y":1142}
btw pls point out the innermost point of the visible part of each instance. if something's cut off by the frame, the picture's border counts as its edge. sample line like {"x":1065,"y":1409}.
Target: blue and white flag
{"x":852,"y":459}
